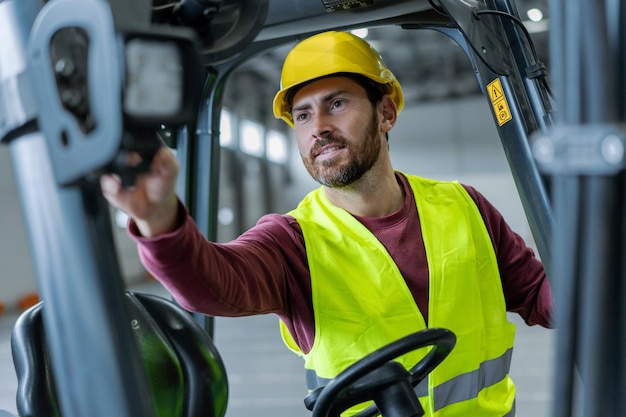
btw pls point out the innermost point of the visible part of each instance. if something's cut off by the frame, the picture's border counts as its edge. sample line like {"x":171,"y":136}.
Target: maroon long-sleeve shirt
{"x":265,"y":270}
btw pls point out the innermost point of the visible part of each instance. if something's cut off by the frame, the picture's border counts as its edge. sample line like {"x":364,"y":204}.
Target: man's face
{"x":337,"y":130}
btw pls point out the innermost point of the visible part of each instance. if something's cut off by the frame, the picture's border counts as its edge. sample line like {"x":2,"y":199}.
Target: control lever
{"x":145,"y":146}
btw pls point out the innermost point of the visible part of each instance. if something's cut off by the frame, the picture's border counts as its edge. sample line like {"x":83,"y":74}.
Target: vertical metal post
{"x":97,"y":368}
{"x":527,"y":106}
{"x":198,"y":152}
{"x":589,"y":201}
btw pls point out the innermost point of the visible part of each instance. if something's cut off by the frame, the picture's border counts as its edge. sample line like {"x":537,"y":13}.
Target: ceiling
{"x":429,"y":65}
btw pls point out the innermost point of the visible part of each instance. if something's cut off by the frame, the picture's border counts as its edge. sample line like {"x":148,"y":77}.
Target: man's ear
{"x":389,"y":111}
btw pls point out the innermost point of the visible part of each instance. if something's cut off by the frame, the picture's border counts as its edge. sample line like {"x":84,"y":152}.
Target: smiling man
{"x":367,"y":258}
{"x":342,"y":140}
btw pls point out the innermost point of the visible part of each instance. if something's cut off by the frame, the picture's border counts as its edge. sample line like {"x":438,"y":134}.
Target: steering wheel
{"x":369,"y":377}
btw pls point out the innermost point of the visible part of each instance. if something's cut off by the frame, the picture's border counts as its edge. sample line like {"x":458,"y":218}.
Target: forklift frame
{"x":569,"y":173}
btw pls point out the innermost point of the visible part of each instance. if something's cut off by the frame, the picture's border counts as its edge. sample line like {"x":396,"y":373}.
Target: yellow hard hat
{"x":332,"y":53}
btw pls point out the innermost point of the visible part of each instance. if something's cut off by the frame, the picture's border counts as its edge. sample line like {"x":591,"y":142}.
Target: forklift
{"x":78,"y":80}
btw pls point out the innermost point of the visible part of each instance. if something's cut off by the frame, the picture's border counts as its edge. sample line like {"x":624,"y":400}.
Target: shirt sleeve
{"x":526,"y":288}
{"x":250,"y":275}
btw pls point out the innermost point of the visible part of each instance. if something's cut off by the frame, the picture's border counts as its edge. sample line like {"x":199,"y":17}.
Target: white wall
{"x":443,"y":140}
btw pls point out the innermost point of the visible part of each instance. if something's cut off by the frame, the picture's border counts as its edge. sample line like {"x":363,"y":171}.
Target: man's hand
{"x":152,"y":201}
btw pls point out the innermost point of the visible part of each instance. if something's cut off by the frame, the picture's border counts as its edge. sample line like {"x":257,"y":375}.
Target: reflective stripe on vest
{"x":489,"y":373}
{"x":360,"y":306}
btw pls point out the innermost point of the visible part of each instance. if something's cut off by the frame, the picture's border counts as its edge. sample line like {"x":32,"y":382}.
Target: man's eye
{"x":301,"y":116}
{"x":338,"y":103}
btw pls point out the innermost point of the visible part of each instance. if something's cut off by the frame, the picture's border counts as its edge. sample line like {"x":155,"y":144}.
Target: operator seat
{"x":186,"y":375}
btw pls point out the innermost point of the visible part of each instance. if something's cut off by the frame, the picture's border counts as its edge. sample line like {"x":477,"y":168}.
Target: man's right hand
{"x":152,"y":202}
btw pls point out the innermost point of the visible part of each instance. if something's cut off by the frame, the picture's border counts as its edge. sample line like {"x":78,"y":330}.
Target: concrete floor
{"x":266,"y":379}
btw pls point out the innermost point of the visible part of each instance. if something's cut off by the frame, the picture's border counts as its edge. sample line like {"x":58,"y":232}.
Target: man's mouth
{"x":328,"y":151}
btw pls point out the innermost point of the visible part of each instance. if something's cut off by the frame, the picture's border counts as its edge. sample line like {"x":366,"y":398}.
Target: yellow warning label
{"x":498,"y":101}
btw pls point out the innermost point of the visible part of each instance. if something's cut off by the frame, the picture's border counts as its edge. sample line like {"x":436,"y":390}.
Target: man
{"x":369,"y":257}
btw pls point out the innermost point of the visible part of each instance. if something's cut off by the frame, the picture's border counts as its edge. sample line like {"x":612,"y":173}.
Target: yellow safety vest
{"x":361,"y":301}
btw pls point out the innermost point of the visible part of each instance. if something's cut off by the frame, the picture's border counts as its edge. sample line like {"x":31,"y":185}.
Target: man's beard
{"x":364,"y":153}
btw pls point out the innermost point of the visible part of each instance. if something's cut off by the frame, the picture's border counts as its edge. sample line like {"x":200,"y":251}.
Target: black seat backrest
{"x":186,"y":375}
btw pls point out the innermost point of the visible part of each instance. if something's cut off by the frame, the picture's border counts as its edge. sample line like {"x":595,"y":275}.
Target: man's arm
{"x":526,"y":288}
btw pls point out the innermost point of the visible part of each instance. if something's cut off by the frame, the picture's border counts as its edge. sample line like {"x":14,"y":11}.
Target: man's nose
{"x":322,"y":126}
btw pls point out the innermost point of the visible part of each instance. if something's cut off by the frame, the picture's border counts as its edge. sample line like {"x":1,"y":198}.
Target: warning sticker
{"x":498,"y":101}
{"x":338,"y":5}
